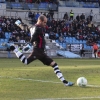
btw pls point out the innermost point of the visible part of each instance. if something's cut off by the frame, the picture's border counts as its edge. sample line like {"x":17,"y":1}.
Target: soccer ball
{"x":82,"y":81}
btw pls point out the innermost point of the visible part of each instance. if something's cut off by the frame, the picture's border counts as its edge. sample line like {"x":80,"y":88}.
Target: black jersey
{"x":37,"y":36}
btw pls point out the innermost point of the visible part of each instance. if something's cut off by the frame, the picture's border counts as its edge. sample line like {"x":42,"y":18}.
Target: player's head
{"x":42,"y":20}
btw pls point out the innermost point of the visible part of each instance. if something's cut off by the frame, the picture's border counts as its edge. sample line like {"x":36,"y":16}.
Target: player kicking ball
{"x":38,"y":42}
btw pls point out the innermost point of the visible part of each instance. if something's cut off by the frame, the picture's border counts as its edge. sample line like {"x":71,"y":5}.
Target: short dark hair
{"x":41,"y":17}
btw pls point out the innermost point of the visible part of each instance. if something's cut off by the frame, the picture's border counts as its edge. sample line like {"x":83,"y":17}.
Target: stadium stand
{"x":31,"y":5}
{"x":59,"y":37}
{"x":79,"y":3}
{"x":64,"y":31}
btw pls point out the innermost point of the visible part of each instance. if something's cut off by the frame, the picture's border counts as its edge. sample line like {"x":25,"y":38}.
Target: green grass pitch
{"x":39,"y":82}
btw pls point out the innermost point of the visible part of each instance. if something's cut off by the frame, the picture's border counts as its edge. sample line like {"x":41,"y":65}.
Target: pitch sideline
{"x":81,"y":98}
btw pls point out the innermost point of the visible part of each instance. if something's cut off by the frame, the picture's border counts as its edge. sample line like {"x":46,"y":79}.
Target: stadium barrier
{"x":4,"y":54}
{"x":68,"y":54}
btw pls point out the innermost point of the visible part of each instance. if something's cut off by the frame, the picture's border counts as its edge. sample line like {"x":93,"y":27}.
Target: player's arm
{"x":22,"y":26}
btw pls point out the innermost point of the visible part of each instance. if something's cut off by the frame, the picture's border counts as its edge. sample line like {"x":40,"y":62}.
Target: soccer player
{"x":38,"y":42}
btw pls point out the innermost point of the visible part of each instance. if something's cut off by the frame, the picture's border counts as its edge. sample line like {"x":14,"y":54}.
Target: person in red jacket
{"x":95,"y":49}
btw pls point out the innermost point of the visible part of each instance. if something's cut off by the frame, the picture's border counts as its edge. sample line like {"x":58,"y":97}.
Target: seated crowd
{"x":16,"y":34}
{"x":81,"y":28}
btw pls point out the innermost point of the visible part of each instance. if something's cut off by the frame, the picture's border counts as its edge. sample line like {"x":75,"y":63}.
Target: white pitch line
{"x":93,"y":86}
{"x":43,"y":81}
{"x":81,"y":98}
{"x":30,"y":79}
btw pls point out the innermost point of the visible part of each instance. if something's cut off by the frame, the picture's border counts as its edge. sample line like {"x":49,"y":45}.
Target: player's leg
{"x":20,"y":55}
{"x":23,"y":58}
{"x":48,"y":61}
{"x":59,"y":74}
{"x":95,"y":53}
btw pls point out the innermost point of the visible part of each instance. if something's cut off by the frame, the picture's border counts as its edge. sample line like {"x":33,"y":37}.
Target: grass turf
{"x":37,"y":81}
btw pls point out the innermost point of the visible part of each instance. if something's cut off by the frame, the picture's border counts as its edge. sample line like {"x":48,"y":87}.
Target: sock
{"x":58,"y":73}
{"x":21,"y":56}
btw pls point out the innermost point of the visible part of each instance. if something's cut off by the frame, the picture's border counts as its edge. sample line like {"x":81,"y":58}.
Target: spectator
{"x":37,"y":15}
{"x":9,"y":52}
{"x":82,"y":17}
{"x":30,"y":15}
{"x":65,"y":16}
{"x":51,"y":12}
{"x":91,"y":15}
{"x":49,"y":17}
{"x":82,"y":51}
{"x":71,"y":15}
{"x":78,"y":18}
{"x":33,"y":18}
{"x":2,"y":35}
{"x":99,"y":3}
{"x":95,"y":49}
{"x":44,"y":14}
{"x":52,"y":35}
{"x":95,"y":39}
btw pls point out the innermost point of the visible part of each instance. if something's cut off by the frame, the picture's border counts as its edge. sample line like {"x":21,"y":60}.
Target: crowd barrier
{"x":6,"y":54}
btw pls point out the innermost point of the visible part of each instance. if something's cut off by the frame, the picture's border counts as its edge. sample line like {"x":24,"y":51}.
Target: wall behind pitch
{"x":76,"y":11}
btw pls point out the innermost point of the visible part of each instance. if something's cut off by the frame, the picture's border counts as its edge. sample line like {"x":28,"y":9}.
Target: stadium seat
{"x":96,"y":5}
{"x":85,"y":5}
{"x":70,"y":40}
{"x":42,"y":6}
{"x":52,"y":6}
{"x":84,"y":41}
{"x":67,"y":39}
{"x":8,"y":5}
{"x":81,"y":41}
{"x":32,"y":6}
{"x":76,"y":4}
{"x":69,"y":4}
{"x":25,"y":6}
{"x":2,"y":40}
{"x":6,"y":40}
{"x":16,"y":5}
{"x":0,"y":29}
{"x":64,"y":45}
{"x":57,"y":41}
{"x":62,"y":3}
{"x":2,"y":1}
{"x":7,"y":35}
{"x":57,"y":35}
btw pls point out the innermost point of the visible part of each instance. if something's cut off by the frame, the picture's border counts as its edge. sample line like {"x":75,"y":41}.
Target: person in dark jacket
{"x":9,"y":52}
